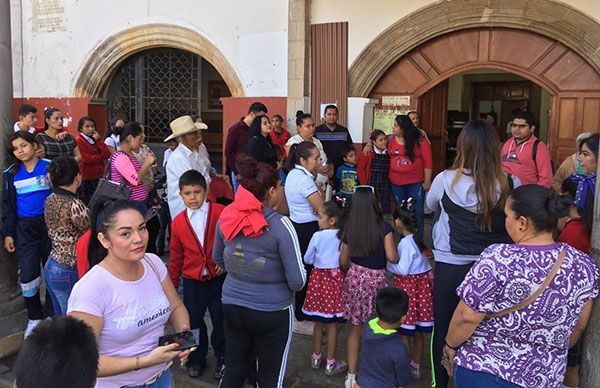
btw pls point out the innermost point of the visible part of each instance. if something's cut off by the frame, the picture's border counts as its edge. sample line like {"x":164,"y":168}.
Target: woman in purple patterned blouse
{"x":527,"y":347}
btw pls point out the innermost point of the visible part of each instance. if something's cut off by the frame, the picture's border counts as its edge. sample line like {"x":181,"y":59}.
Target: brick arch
{"x":560,"y":22}
{"x":94,"y":77}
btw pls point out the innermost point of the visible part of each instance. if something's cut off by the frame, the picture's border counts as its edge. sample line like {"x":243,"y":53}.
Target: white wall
{"x":367,"y":19}
{"x":252,"y":35}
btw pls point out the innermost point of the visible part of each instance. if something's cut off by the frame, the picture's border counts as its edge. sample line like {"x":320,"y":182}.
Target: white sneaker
{"x":350,"y":380}
{"x":31,"y":325}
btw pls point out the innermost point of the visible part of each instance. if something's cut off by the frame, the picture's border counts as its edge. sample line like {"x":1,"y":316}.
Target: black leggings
{"x":305,"y":232}
{"x":447,"y":277}
{"x":265,"y":335}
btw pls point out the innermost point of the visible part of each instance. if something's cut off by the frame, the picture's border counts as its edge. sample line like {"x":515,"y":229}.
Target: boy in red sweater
{"x":192,"y":236}
{"x":524,"y":155}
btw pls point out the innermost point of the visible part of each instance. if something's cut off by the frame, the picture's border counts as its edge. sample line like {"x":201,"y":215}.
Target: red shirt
{"x":403,"y":171}
{"x":575,"y":234}
{"x":517,"y":160}
{"x":280,"y":139}
{"x":93,"y":157}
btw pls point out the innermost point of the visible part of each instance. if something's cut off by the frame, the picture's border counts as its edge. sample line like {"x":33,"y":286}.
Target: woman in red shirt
{"x":411,"y":163}
{"x":94,"y":154}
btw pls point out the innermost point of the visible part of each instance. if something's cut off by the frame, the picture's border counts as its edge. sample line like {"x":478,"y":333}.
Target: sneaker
{"x":219,"y":371}
{"x":350,"y":380}
{"x":31,"y":325}
{"x":336,"y":368}
{"x":315,"y":363}
{"x":415,"y":372}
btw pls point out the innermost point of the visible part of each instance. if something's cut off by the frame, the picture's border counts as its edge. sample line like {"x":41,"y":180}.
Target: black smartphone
{"x":185,"y":339}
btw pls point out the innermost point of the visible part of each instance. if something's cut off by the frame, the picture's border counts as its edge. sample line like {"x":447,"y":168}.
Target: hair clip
{"x":341,"y":201}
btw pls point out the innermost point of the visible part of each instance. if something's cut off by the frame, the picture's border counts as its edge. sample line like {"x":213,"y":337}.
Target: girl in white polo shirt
{"x":303,"y":198}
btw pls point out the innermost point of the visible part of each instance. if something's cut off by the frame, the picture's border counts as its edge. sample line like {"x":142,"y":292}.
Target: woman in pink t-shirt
{"x":127,"y":298}
{"x":126,"y":167}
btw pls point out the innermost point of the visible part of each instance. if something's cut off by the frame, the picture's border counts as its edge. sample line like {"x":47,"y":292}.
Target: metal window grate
{"x":155,"y":87}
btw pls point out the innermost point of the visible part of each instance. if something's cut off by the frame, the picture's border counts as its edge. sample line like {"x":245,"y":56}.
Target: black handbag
{"x":108,"y":189}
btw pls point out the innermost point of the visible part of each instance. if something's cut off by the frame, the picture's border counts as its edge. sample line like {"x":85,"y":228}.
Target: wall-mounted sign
{"x":395,"y":100}
{"x":384,"y":118}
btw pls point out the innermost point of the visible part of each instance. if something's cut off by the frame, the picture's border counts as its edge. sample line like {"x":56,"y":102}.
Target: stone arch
{"x":92,"y":81}
{"x":560,"y":22}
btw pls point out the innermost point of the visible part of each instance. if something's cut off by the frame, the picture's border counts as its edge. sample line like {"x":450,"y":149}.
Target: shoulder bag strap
{"x":151,"y":264}
{"x":537,"y":293}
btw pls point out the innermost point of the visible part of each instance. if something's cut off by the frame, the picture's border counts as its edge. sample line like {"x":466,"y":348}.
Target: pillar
{"x":11,"y":303}
{"x":298,"y":60}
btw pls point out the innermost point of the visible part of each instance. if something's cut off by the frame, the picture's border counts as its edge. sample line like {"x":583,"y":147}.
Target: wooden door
{"x":433,"y":113}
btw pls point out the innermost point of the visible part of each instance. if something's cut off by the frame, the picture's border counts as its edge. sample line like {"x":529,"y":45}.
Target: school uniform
{"x":191,"y":248}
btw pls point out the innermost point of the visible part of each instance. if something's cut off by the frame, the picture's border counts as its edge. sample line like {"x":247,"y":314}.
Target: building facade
{"x":152,"y":61}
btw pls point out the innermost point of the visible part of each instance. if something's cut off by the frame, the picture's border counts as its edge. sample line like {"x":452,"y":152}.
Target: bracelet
{"x":451,"y":347}
{"x":137,"y":363}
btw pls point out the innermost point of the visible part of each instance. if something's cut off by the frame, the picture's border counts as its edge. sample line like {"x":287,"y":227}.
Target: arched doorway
{"x":421,"y":75}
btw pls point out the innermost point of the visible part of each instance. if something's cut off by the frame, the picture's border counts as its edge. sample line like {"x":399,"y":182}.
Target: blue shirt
{"x":347,"y":179}
{"x":32,"y":189}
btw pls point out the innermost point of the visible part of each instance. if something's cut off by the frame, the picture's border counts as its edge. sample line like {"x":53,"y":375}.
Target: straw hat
{"x":182,"y":126}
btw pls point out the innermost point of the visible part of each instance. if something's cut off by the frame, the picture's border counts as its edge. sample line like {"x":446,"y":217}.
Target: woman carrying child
{"x":413,"y":274}
{"x":368,"y":244}
{"x":323,"y":303}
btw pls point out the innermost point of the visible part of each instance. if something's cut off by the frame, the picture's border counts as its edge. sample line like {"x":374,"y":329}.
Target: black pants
{"x":447,"y":277}
{"x":197,"y":297}
{"x":164,"y":218}
{"x":33,"y":247}
{"x":153,"y":226}
{"x":264,"y":334}
{"x":305,"y":232}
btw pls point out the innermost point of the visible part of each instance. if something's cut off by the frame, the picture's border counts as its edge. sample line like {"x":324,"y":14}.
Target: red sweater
{"x":364,"y":167}
{"x":93,"y":158}
{"x":403,"y":171}
{"x":518,"y":160}
{"x":188,"y":256}
{"x":575,"y":234}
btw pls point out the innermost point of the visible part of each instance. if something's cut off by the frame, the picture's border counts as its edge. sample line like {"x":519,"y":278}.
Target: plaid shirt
{"x":55,"y":148}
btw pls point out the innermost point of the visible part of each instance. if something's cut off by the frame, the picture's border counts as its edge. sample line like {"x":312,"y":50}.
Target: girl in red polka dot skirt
{"x":413,"y":274}
{"x":323,"y":303}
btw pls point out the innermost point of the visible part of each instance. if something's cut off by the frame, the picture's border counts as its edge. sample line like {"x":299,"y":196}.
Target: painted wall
{"x":367,"y":19}
{"x":52,"y":39}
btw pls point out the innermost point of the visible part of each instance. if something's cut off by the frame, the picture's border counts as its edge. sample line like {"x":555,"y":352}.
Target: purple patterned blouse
{"x":527,"y":347}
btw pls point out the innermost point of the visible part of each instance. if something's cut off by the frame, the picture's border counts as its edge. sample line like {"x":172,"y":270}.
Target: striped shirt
{"x":125,"y":168}
{"x":32,"y":189}
{"x":55,"y":148}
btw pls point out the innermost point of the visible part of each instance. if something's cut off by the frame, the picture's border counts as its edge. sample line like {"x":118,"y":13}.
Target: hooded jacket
{"x":385,"y":358}
{"x":457,"y":238}
{"x":517,"y":160}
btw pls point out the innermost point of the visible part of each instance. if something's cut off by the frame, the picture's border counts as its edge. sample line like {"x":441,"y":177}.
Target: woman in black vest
{"x":468,"y":200}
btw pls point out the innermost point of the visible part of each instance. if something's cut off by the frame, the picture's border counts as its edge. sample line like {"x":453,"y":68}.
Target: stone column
{"x":590,"y":373}
{"x":298,"y":60}
{"x":11,"y":304}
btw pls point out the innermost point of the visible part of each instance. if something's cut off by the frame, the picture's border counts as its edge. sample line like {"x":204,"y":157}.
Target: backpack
{"x":533,"y":151}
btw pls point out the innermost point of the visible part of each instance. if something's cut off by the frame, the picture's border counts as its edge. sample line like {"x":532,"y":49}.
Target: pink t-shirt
{"x":125,"y":168}
{"x":134,"y":313}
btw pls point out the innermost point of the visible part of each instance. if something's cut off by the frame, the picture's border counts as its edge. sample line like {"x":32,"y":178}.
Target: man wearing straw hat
{"x":190,"y":154}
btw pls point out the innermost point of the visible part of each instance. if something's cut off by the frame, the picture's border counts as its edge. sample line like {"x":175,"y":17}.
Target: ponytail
{"x":406,"y":212}
{"x":540,"y":205}
{"x":300,"y":117}
{"x":298,"y":151}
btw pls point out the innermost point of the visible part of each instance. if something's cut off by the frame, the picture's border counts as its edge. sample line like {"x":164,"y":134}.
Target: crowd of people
{"x":301,"y":233}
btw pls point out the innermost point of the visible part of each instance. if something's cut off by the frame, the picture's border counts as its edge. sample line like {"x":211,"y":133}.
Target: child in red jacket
{"x":192,"y":236}
{"x":94,"y":154}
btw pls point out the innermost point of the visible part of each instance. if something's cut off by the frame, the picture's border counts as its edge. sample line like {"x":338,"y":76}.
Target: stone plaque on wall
{"x":48,"y":16}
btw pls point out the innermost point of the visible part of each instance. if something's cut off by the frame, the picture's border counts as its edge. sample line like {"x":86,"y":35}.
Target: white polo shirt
{"x":299,"y":185}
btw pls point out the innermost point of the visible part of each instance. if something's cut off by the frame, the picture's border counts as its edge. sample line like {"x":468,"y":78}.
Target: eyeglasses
{"x":365,"y":187}
{"x":520,"y":126}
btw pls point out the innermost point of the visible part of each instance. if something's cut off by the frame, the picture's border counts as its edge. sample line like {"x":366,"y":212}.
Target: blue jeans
{"x":466,"y":378}
{"x":164,"y":381}
{"x":414,"y":191}
{"x":60,"y":280}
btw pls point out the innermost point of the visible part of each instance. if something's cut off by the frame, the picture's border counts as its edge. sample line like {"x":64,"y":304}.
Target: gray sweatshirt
{"x":262,"y":272}
{"x":463,"y":195}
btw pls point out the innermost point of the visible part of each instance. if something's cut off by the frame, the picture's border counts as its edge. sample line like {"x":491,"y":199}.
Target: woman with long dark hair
{"x":411,"y":164}
{"x":523,"y":304}
{"x":260,"y":146}
{"x":259,"y":250}
{"x":127,"y":298}
{"x":468,"y":200}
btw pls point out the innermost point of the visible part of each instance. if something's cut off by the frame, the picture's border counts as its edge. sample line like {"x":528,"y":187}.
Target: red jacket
{"x":188,"y":256}
{"x":93,"y":158}
{"x":364,"y":167}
